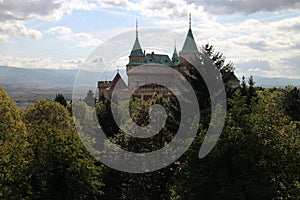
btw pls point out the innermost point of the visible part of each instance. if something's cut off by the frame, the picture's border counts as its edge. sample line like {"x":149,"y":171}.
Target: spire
{"x":136,"y":50}
{"x":189,"y":44}
{"x":136,"y":29}
{"x":190,"y":21}
{"x":175,"y":58}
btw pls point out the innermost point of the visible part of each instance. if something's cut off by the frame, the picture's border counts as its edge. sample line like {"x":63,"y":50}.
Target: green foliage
{"x":61,"y":166}
{"x":61,"y":99}
{"x":226,"y":68}
{"x":15,"y":154}
{"x":199,"y":85}
{"x":291,"y":103}
{"x":154,"y":185}
{"x":105,"y":117}
{"x":148,"y":186}
{"x":248,"y":91}
{"x":219,"y":60}
{"x":280,"y":146}
{"x":256,"y":157}
{"x":140,"y":114}
{"x":251,"y":92}
{"x":244,"y":88}
{"x":90,"y":98}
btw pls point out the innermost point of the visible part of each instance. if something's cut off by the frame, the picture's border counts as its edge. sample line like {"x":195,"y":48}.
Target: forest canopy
{"x":256,"y":157}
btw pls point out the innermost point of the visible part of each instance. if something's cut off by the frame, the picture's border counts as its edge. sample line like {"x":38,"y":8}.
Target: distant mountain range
{"x":275,"y":82}
{"x":43,"y":79}
{"x":28,"y":85}
{"x":37,"y":78}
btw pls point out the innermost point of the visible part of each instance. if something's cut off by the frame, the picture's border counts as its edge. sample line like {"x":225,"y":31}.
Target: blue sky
{"x":260,"y":36}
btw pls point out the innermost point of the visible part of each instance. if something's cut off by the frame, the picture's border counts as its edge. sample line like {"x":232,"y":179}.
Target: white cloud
{"x":125,"y":4}
{"x":22,"y":10}
{"x":18,"y":29}
{"x":70,"y":64}
{"x":80,"y":39}
{"x":34,"y":62}
{"x":61,"y":30}
{"x":256,"y":41}
{"x":68,"y":6}
{"x":4,"y":38}
{"x":41,"y":9}
{"x":14,"y":14}
{"x":221,"y":7}
{"x":180,"y":8}
{"x":172,"y":9}
{"x":241,"y":41}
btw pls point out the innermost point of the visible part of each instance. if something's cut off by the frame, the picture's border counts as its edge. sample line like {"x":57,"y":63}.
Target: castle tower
{"x":175,"y":58}
{"x":136,"y":56}
{"x":189,"y":48}
{"x":189,"y":44}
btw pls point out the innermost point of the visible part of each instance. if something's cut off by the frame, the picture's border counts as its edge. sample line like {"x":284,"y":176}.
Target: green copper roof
{"x":158,"y":59}
{"x":175,"y":58}
{"x":135,"y":63}
{"x":189,"y":44}
{"x":136,"y":50}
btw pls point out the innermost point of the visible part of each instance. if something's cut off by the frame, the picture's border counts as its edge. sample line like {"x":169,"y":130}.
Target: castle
{"x":139,"y":57}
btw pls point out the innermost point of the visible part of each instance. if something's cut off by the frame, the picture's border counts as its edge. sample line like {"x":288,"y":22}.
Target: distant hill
{"x":54,"y":78}
{"x":45,"y":78}
{"x":26,"y":81}
{"x":23,"y":84}
{"x":37,"y":78}
{"x":275,"y":82}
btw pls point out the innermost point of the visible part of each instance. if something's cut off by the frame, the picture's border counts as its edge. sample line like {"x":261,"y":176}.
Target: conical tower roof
{"x":175,"y":58}
{"x":189,"y":44}
{"x":136,"y":50}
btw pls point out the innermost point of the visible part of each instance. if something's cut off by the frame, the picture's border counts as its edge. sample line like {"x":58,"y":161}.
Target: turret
{"x":189,"y":44}
{"x":136,"y":57}
{"x":175,"y":58}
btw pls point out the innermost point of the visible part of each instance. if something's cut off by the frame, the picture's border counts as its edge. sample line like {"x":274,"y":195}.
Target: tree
{"x":280,"y":143}
{"x":225,"y":68}
{"x":61,"y":99}
{"x":15,"y":154}
{"x":291,"y":103}
{"x":251,"y":92}
{"x":226,"y":172}
{"x":210,"y":56}
{"x":244,"y":88}
{"x":90,"y":98}
{"x":154,"y":185}
{"x":255,"y":158}
{"x":106,"y":119}
{"x":61,"y":167}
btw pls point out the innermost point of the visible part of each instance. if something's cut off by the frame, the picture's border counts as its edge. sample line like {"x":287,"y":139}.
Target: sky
{"x":261,"y":37}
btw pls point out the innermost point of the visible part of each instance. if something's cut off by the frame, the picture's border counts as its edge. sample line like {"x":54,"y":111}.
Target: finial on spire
{"x":136,"y":27}
{"x":175,"y":44}
{"x":190,"y":21}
